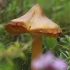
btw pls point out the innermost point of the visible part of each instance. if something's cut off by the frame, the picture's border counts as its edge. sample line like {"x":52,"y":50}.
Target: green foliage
{"x":7,"y":55}
{"x":51,"y":42}
{"x":6,"y":66}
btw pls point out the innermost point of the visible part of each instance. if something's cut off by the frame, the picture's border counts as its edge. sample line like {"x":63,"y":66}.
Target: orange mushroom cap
{"x":34,"y":21}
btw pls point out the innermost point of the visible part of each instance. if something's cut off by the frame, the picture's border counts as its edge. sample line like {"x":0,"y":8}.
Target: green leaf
{"x":51,"y":42}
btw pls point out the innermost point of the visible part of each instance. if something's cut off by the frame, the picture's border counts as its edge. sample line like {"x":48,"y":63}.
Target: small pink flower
{"x":49,"y":62}
{"x":60,"y":64}
{"x":48,"y":58}
{"x":37,"y":63}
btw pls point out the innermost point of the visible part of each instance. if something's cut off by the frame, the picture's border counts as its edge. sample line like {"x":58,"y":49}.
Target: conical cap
{"x":33,"y":21}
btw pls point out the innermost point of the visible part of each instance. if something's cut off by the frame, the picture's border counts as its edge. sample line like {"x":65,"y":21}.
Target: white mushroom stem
{"x":36,"y":47}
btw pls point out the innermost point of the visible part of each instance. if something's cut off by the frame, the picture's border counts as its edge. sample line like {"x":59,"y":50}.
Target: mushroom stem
{"x":36,"y":47}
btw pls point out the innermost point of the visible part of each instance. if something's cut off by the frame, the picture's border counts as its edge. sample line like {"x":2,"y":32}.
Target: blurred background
{"x":15,"y":51}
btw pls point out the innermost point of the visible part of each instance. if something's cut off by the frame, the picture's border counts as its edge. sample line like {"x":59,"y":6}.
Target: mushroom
{"x":35,"y":22}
